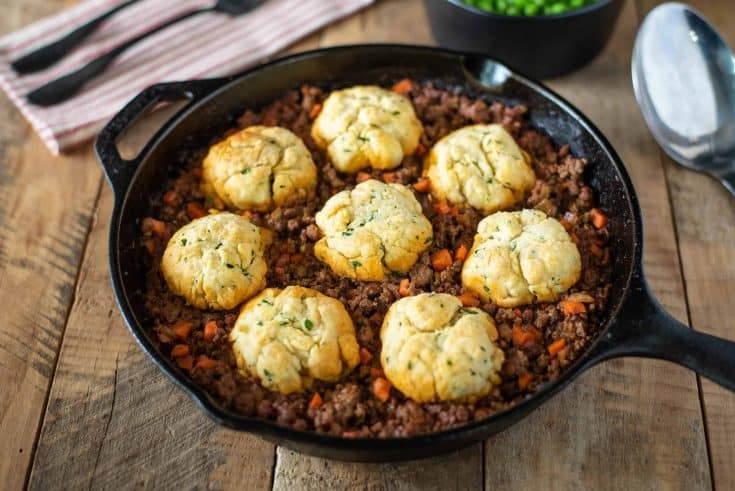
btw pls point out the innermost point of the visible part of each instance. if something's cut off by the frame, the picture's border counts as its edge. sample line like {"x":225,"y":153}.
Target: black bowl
{"x":542,"y":46}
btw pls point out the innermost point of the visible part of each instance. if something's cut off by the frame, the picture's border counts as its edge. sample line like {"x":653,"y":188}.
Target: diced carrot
{"x":423,"y":185}
{"x":583,"y":297}
{"x":195,"y":210}
{"x":599,"y":219}
{"x":247,"y":214}
{"x":571,"y":307}
{"x":381,"y":389}
{"x":171,"y":198}
{"x":595,"y":250}
{"x":567,"y":226}
{"x":315,"y":110}
{"x":555,"y":347}
{"x":365,"y":356}
{"x":363,"y":176}
{"x":316,"y":401}
{"x":443,"y":208}
{"x":150,"y":246}
{"x":404,"y":288}
{"x":524,"y":379}
{"x":180,"y":350}
{"x":377,"y":372}
{"x":205,"y":362}
{"x":157,"y":228}
{"x":210,"y":330}
{"x":350,"y":434}
{"x":574,"y":238}
{"x":441,"y":260}
{"x":469,"y":300}
{"x":182,"y":329}
{"x":390,"y":177}
{"x":522,"y":336}
{"x":403,"y":87}
{"x":185,"y":362}
{"x":461,"y":253}
{"x":420,"y":150}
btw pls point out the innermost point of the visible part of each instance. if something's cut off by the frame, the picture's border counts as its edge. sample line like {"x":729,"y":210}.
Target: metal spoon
{"x":65,"y":87}
{"x":684,"y":81}
{"x":47,"y":55}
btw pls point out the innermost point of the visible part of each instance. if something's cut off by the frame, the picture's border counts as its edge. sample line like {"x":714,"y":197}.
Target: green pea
{"x":557,"y":8}
{"x":513,"y":10}
{"x":530,"y":9}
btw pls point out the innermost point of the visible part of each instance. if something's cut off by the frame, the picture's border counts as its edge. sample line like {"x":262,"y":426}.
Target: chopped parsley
{"x":246,"y":170}
{"x":363,"y":139}
{"x":428,"y":240}
{"x":229,"y":266}
{"x":449,"y":362}
{"x":469,"y":311}
{"x":396,"y":113}
{"x":183,"y":241}
{"x":266,"y":301}
{"x":356,"y":264}
{"x":484,"y":287}
{"x":489,"y":180}
{"x":267,"y":373}
{"x":410,"y":365}
{"x":348,"y":232}
{"x":308,"y":325}
{"x":218,"y":246}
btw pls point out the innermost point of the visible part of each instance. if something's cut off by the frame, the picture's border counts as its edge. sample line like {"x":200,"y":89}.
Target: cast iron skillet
{"x":636,"y":324}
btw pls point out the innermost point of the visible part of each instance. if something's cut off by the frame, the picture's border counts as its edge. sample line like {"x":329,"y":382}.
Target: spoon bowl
{"x":684,"y":81}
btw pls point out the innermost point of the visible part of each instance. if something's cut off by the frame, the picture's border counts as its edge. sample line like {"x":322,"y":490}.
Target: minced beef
{"x":348,"y":408}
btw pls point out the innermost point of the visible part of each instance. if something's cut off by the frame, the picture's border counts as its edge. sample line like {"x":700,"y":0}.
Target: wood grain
{"x":628,"y":424}
{"x":45,"y":210}
{"x":705,"y":213}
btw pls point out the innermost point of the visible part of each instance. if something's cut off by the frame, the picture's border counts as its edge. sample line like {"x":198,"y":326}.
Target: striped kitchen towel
{"x":205,"y":46}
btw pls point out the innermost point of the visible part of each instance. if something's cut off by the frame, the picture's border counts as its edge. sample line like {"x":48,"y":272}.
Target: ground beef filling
{"x":198,"y":341}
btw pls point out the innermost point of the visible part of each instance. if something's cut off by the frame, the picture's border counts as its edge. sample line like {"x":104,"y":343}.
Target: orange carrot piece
{"x":422,"y":185}
{"x":441,"y":260}
{"x":381,"y":389}
{"x":205,"y":362}
{"x":524,"y":379}
{"x":469,"y":300}
{"x":247,"y":214}
{"x":185,"y":362}
{"x":362,"y":177}
{"x":599,"y":219}
{"x":555,"y":347}
{"x":461,"y":253}
{"x":522,"y":336}
{"x":402,"y":87}
{"x":159,"y":228}
{"x":377,"y":372}
{"x":571,"y":307}
{"x":315,"y":110}
{"x":316,"y":401}
{"x":195,"y":210}
{"x":567,"y":225}
{"x":390,"y":177}
{"x":182,"y":329}
{"x":150,"y":246}
{"x":443,"y":208}
{"x":180,"y":350}
{"x":210,"y":330}
{"x":404,"y":288}
{"x":171,"y":198}
{"x":365,"y":356}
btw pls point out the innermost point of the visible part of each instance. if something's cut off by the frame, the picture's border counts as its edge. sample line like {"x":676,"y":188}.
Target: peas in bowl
{"x":528,"y":7}
{"x":539,"y":38}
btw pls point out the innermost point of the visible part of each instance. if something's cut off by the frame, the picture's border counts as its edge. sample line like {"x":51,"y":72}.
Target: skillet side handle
{"x":645,"y":329}
{"x":120,"y":171}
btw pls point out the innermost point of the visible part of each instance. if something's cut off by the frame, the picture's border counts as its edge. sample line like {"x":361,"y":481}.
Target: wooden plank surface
{"x":45,"y":209}
{"x":705,"y":216}
{"x":113,"y":421}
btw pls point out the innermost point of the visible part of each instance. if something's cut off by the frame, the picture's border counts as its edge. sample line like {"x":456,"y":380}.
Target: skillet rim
{"x":469,"y":432}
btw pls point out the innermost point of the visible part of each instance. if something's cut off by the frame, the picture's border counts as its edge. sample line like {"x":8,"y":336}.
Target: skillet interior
{"x":207,"y":119}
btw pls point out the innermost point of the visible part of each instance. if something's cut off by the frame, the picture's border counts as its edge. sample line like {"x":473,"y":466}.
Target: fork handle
{"x":65,"y":87}
{"x":47,"y":55}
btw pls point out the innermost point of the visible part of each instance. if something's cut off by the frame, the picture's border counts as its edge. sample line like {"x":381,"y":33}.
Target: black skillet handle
{"x":645,"y":329}
{"x":119,"y":171}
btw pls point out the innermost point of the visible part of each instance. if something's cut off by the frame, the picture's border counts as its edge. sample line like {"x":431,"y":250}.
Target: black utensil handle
{"x":645,"y":329}
{"x":120,"y":171}
{"x":65,"y":87}
{"x":49,"y":54}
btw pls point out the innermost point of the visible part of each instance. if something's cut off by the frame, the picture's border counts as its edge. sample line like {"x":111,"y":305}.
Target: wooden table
{"x":82,"y":407}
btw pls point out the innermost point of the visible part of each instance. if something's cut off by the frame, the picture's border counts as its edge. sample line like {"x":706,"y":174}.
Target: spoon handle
{"x":47,"y":55}
{"x":65,"y":87}
{"x":727,"y":177}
